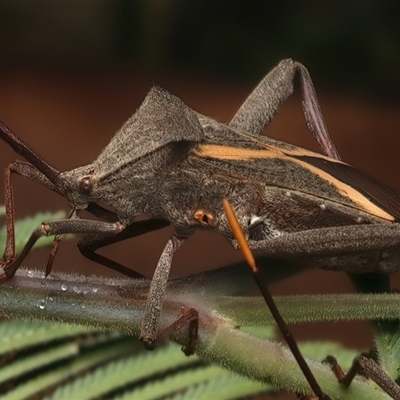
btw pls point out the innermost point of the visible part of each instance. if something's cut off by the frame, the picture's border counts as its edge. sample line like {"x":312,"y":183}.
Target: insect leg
{"x":379,"y":376}
{"x":267,"y":98}
{"x":330,"y":242}
{"x":371,"y":369}
{"x":90,"y":243}
{"x":59,"y":228}
{"x":155,"y":299}
{"x":191,"y":319}
{"x":26,"y":170}
{"x":156,"y":294}
{"x":56,"y":243}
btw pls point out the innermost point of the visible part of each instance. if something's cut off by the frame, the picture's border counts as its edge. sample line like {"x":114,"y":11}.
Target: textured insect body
{"x":182,"y":164}
{"x":171,"y":163}
{"x":176,"y":166}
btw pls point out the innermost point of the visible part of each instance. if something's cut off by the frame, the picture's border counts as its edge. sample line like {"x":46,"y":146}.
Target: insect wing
{"x":276,"y":164}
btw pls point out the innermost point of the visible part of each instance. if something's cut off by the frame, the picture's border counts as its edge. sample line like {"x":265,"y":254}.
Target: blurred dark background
{"x":351,"y":44}
{"x":72,"y":72}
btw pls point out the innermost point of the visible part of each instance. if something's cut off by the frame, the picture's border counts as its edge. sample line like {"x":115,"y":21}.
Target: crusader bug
{"x":175,"y":166}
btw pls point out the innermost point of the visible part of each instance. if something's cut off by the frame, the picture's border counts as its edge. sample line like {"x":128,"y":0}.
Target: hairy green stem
{"x":314,"y":308}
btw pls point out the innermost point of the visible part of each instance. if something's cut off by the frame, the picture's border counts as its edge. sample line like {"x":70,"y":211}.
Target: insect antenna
{"x":22,"y":149}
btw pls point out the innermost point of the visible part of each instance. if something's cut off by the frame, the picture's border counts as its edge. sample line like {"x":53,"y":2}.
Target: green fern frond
{"x":100,"y":365}
{"x":38,"y":360}
{"x":229,"y":387}
{"x":70,"y":368}
{"x":185,"y":381}
{"x":17,"y":334}
{"x":174,"y":382}
{"x":123,"y":372}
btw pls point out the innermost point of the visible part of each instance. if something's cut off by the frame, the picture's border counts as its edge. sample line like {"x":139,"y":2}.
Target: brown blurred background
{"x":72,"y":72}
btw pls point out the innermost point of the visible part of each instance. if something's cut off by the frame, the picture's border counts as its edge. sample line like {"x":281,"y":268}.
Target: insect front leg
{"x":155,"y":298}
{"x":60,"y":227}
{"x":25,"y":170}
{"x":267,"y":98}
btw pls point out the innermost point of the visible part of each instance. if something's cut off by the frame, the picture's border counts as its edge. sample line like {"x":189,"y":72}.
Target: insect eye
{"x":85,"y":186}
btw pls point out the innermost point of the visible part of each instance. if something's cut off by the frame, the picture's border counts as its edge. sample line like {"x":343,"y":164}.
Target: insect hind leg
{"x":267,"y":98}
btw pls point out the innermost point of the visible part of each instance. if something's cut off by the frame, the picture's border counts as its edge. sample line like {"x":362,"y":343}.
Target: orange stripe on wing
{"x":243,"y":154}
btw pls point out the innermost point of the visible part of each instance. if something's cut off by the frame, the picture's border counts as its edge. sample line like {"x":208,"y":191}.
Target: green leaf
{"x":38,"y":360}
{"x":175,"y":381}
{"x":122,"y":372}
{"x":227,"y":387}
{"x":387,"y":341}
{"x":70,"y":368}
{"x":16,"y":334}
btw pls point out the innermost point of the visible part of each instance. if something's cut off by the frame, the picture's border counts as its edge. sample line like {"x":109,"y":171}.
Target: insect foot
{"x":371,"y":369}
{"x":189,"y":319}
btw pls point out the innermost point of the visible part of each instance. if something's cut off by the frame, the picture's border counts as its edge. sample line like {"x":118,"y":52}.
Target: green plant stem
{"x":314,"y":308}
